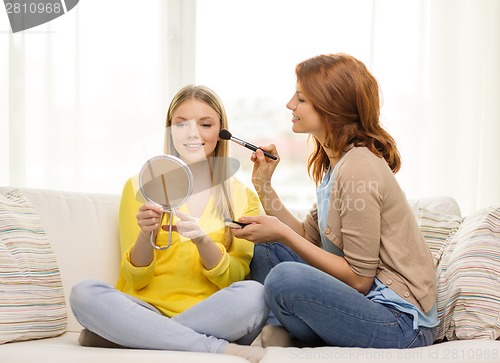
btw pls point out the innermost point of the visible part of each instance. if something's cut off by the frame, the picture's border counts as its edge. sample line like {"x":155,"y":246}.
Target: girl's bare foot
{"x":276,"y":336}
{"x":251,"y":353}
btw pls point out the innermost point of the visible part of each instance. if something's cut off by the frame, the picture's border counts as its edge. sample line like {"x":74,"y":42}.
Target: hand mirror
{"x":165,"y":180}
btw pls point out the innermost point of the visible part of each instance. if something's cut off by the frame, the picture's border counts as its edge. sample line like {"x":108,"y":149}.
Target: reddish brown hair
{"x":346,"y":96}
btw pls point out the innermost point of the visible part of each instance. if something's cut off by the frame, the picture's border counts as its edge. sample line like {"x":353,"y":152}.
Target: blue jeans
{"x":319,"y":309}
{"x":268,"y":255}
{"x":234,"y":314}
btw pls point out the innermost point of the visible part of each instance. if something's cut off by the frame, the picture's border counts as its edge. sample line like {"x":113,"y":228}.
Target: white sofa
{"x":83,"y":232}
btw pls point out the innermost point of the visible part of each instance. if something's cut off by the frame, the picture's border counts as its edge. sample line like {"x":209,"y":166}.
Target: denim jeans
{"x":319,"y":309}
{"x":233,"y":314}
{"x":268,"y":255}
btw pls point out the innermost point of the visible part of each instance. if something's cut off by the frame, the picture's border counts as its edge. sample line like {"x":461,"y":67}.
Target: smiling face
{"x":305,"y":119}
{"x":195,"y":130}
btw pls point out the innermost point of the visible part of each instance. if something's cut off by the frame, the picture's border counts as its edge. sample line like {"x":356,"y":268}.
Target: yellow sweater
{"x":176,"y":278}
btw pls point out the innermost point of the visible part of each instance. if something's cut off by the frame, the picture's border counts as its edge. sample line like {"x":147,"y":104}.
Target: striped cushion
{"x":437,"y":229}
{"x":32,"y":304}
{"x":469,"y":279}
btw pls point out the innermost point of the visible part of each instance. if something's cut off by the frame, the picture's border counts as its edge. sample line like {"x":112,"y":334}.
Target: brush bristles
{"x":224,"y":134}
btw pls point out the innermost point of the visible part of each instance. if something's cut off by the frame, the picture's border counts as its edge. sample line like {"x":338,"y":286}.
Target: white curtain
{"x":441,"y":89}
{"x":437,"y":62}
{"x":83,"y":98}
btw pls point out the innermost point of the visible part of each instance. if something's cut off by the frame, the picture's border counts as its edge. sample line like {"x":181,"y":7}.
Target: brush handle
{"x":252,"y":147}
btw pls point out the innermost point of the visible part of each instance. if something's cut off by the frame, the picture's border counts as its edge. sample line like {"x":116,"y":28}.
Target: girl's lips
{"x":194,"y":146}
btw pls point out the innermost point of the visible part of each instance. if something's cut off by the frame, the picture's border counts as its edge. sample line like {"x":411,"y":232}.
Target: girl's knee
{"x":251,"y":294}
{"x":260,"y":251}
{"x":249,"y":289}
{"x":260,"y":264}
{"x":287,"y":276}
{"x":285,"y":272}
{"x":84,"y":292}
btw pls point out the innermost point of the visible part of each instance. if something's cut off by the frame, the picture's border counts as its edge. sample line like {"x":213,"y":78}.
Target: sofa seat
{"x":65,"y":349}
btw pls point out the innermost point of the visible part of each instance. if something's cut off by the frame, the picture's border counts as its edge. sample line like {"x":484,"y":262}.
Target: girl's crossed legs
{"x":319,"y":309}
{"x":234,"y":314}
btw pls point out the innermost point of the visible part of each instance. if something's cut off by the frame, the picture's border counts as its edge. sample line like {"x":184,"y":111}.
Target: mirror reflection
{"x":166,"y":180}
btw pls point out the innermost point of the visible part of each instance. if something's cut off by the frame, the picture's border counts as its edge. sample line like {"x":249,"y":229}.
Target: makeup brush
{"x":226,"y":135}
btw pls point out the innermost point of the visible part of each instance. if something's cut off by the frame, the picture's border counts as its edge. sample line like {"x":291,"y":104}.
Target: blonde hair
{"x":221,"y":185}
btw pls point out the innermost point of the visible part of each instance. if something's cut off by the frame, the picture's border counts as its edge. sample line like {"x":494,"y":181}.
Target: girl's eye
{"x":206,"y":125}
{"x":300,"y":99}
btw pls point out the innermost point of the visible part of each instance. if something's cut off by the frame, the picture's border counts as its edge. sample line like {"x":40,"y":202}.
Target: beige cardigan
{"x":369,"y":218}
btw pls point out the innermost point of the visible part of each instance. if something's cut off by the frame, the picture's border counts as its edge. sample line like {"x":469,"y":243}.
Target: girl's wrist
{"x":203,"y":240}
{"x":264,"y":187}
{"x":287,"y":236}
{"x":265,"y":192}
{"x":144,"y":236}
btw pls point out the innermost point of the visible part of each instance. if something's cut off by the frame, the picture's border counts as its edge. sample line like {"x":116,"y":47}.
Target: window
{"x":85,"y":95}
{"x":247,"y":52}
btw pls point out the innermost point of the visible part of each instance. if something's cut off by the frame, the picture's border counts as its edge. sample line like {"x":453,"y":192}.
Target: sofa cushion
{"x":437,"y":229}
{"x":468,"y":279}
{"x":83,"y":231}
{"x":445,"y":205}
{"x":32,"y":304}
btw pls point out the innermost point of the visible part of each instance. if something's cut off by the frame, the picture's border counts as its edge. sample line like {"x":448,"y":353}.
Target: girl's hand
{"x":263,"y":168}
{"x":187,"y":226}
{"x":149,"y":217}
{"x":210,"y":253}
{"x":262,"y":229}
